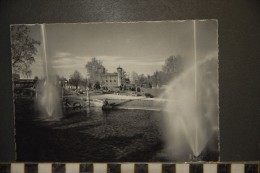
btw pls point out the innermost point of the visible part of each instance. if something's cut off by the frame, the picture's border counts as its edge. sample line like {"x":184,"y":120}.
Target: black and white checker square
{"x":129,"y":168}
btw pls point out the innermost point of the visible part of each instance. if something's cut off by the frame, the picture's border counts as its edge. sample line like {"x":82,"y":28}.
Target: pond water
{"x":91,"y":135}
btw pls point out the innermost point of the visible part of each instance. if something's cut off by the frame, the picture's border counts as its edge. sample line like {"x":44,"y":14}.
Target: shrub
{"x":148,"y":95}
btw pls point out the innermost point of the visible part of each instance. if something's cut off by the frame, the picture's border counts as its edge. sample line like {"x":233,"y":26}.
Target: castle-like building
{"x":113,"y":79}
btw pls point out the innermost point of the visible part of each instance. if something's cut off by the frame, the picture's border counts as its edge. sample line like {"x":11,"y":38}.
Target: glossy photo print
{"x":116,"y":92}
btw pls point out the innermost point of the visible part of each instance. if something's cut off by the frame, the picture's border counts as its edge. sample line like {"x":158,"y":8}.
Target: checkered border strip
{"x":129,"y":167}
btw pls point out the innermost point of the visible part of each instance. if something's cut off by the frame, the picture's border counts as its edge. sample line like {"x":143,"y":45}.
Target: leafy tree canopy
{"x":85,"y":82}
{"x":172,"y":67}
{"x":75,"y":79}
{"x":95,"y":70}
{"x":23,"y":49}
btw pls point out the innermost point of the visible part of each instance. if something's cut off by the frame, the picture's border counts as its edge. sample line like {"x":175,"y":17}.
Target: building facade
{"x":112,"y":80}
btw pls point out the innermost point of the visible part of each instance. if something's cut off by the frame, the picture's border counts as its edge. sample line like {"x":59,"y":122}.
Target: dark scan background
{"x":239,"y":57}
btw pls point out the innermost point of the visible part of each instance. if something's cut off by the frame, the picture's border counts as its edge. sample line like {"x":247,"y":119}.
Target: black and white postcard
{"x":116,"y":92}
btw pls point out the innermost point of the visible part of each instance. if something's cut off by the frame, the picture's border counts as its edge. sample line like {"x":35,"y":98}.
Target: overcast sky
{"x":141,"y":47}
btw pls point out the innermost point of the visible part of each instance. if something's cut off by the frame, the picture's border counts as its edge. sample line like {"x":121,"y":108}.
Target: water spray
{"x":195,"y":84}
{"x":50,"y":99}
{"x":189,"y":117}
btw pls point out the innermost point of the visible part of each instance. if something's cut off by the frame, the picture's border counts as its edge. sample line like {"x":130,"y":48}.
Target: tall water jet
{"x":49,"y":98}
{"x":195,"y":152}
{"x":191,"y":110}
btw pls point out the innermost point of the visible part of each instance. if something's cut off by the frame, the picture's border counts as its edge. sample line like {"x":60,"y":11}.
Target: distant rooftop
{"x":110,"y":74}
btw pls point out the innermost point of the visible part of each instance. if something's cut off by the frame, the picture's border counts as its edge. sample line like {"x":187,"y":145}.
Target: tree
{"x":172,"y":67}
{"x":168,"y":68}
{"x":62,"y":80}
{"x":140,"y":80}
{"x":144,"y":81}
{"x":27,"y":73}
{"x":124,"y":76}
{"x":134,"y":77}
{"x":75,"y":79}
{"x":84,"y":82}
{"x":89,"y":85}
{"x":125,"y":80}
{"x":95,"y":70}
{"x":157,"y":78}
{"x":97,"y":85}
{"x":36,"y":78}
{"x":23,"y":49}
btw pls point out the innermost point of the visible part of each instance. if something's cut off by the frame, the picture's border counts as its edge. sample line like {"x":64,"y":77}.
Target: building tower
{"x":119,"y":76}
